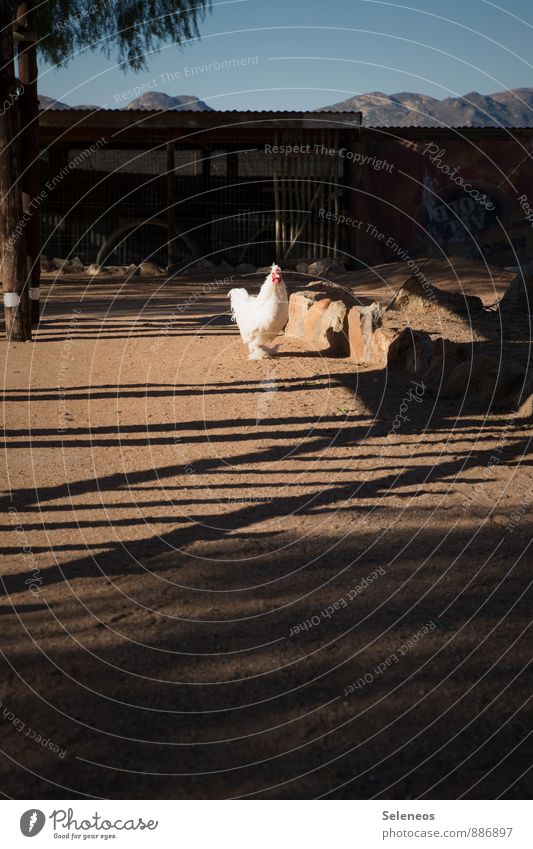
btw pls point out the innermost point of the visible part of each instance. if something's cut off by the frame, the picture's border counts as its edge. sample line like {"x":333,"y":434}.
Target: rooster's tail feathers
{"x":238,"y":298}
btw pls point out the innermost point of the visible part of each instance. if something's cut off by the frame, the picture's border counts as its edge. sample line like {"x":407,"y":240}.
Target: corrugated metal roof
{"x":201,"y":111}
{"x":433,"y":127}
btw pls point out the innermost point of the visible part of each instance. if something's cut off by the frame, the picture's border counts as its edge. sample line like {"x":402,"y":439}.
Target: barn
{"x":123,"y":186}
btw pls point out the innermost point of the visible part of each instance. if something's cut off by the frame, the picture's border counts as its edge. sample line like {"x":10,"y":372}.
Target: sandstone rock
{"x":333,"y":291}
{"x":325,"y":267}
{"x":363,"y":322}
{"x":150,"y":269}
{"x":326,"y":327}
{"x":245,"y":268}
{"x":299,"y":304}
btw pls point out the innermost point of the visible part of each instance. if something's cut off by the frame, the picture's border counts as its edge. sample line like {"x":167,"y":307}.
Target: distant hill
{"x":149,"y":100}
{"x":159,"y":100}
{"x":512,"y":108}
{"x":49,"y":103}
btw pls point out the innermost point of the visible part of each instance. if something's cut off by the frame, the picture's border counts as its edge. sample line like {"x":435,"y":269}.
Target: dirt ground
{"x":226,"y":578}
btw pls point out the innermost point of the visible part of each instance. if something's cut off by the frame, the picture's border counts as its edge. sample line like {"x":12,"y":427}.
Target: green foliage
{"x":128,"y":29}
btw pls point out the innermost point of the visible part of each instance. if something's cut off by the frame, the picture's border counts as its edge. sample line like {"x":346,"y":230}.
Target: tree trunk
{"x":29,"y":144}
{"x":14,"y":269}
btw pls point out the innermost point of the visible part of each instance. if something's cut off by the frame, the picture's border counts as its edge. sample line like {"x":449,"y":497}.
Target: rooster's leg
{"x":257,"y":351}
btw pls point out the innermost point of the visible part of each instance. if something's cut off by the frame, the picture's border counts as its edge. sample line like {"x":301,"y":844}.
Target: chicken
{"x":260,"y":319}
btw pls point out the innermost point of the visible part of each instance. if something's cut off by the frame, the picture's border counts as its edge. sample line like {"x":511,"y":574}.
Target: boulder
{"x":68,"y":266}
{"x":150,"y":269}
{"x":225,"y":268}
{"x":203,"y":265}
{"x":95,"y":269}
{"x":245,"y":268}
{"x":46,"y":264}
{"x":519,"y":294}
{"x":411,"y":351}
{"x":326,"y":267}
{"x":525,"y":409}
{"x":299,"y":305}
{"x":363,"y":323}
{"x":335,"y":324}
{"x":460,"y":370}
{"x":418,"y":296}
{"x":326,"y":327}
{"x":332,"y":291}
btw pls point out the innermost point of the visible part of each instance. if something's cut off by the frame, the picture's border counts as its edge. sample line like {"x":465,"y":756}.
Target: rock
{"x":299,"y":305}
{"x":325,"y":267}
{"x":204,"y":265}
{"x":411,"y":351}
{"x":320,"y":321}
{"x":525,"y":410}
{"x":68,"y":266}
{"x":225,"y":268}
{"x":132,"y":270}
{"x":302,"y":267}
{"x":418,"y":296}
{"x":150,"y":269}
{"x":326,"y":327}
{"x":95,"y":270}
{"x":46,"y":264}
{"x":470,"y":376}
{"x":363,"y":322}
{"x":245,"y":268}
{"x":460,"y":370}
{"x":338,"y":326}
{"x":116,"y":269}
{"x":519,"y":294}
{"x":333,"y":291}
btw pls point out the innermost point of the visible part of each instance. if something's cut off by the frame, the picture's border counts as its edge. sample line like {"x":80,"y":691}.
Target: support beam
{"x":31,"y":177}
{"x":171,"y":205}
{"x":14,"y":267}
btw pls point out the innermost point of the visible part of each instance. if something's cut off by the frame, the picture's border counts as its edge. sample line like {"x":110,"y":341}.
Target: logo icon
{"x":32,"y":822}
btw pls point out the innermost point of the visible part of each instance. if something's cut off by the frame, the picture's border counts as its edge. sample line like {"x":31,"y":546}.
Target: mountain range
{"x":513,"y":108}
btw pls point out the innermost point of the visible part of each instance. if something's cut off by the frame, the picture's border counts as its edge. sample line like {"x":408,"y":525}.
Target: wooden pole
{"x":29,"y":144}
{"x":14,"y":268}
{"x":171,"y":205}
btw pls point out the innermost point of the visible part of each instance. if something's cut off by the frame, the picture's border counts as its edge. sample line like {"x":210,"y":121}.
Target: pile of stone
{"x":337,"y":324}
{"x":459,"y":370}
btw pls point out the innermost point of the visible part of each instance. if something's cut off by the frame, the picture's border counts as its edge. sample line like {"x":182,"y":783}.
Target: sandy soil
{"x":174,"y":513}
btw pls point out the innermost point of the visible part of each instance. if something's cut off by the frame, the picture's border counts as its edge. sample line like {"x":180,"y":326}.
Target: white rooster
{"x":260,"y":319}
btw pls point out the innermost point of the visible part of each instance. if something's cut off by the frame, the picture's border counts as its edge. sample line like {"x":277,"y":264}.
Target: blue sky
{"x":302,"y":56}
